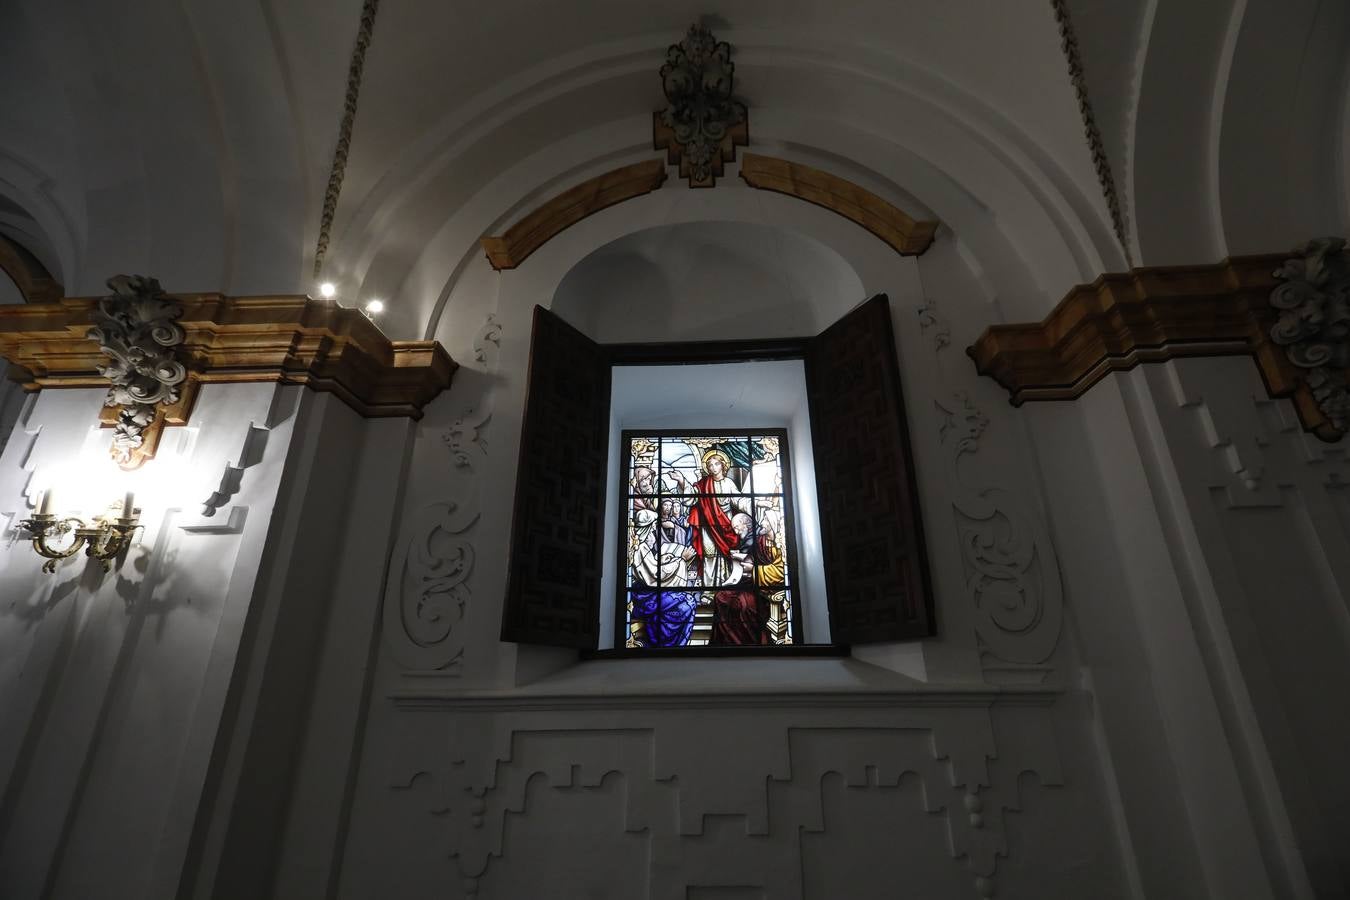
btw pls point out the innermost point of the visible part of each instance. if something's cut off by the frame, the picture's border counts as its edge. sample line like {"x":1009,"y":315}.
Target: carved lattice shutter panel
{"x":876,"y":567}
{"x":553,"y":588}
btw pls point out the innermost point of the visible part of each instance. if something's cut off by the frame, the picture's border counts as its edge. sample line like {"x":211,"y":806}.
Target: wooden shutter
{"x":876,"y":568}
{"x":557,"y":549}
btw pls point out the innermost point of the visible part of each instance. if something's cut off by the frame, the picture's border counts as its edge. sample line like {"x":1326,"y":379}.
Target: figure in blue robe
{"x":666,"y":612}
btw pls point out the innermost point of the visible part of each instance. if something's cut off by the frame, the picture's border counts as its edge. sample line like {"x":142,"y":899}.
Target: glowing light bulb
{"x":327,"y":290}
{"x":375,"y":307}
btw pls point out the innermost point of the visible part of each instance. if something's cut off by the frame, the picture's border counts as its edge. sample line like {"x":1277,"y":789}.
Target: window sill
{"x":735,"y":681}
{"x":799,"y":651}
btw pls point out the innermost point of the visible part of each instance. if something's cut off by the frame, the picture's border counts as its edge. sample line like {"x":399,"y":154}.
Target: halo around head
{"x":726,"y":460}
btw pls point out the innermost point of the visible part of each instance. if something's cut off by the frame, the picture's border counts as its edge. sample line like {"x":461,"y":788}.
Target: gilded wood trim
{"x":28,"y":274}
{"x":288,"y":339}
{"x":1149,"y":315}
{"x":511,"y":248}
{"x":908,"y":236}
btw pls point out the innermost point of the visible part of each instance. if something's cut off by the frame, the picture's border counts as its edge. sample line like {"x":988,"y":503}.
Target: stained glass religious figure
{"x":708,"y":540}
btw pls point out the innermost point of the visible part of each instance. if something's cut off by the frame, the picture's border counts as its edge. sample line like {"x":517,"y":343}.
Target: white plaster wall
{"x":12,"y":401}
{"x":1149,"y":690}
{"x":282,"y":762}
{"x":815,"y":793}
{"x":112,"y":687}
{"x":1260,"y":531}
{"x":1203,"y":551}
{"x":168,"y":737}
{"x":492,"y":770}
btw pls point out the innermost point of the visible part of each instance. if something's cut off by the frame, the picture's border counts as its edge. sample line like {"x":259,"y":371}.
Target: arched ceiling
{"x":1224,"y":120}
{"x":192,"y":140}
{"x":707,"y":281}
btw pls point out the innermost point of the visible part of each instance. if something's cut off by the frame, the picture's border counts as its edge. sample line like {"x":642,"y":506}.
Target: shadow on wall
{"x":707,"y":281}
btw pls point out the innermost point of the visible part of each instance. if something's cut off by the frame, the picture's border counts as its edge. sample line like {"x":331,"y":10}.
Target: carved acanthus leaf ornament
{"x":1314,"y":323}
{"x":137,"y":328}
{"x":704,"y":123}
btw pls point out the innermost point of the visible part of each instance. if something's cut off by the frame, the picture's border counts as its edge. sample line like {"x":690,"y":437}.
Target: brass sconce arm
{"x":102,"y":540}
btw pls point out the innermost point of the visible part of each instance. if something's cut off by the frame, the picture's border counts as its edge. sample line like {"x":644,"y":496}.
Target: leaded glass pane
{"x":707,"y":540}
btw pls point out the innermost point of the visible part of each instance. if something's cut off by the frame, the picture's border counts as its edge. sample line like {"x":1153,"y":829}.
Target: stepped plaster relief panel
{"x":797,"y":798}
{"x":1262,"y":534}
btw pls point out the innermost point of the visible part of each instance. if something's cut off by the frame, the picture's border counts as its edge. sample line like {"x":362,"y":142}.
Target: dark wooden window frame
{"x":922,"y":620}
{"x":623,"y":586}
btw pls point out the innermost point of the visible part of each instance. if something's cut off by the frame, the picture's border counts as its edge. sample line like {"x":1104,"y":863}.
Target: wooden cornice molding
{"x":28,"y":274}
{"x":906,"y":235}
{"x":1150,"y":315}
{"x":286,"y":339}
{"x":568,"y":208}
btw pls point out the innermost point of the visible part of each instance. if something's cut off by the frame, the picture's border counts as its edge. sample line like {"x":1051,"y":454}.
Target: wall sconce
{"x":102,"y":539}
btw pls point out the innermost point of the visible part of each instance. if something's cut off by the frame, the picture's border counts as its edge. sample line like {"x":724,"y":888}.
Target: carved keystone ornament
{"x":704,"y":123}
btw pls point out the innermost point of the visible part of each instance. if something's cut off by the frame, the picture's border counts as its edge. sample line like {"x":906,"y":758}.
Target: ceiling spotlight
{"x":374,"y":308}
{"x":326,"y":290}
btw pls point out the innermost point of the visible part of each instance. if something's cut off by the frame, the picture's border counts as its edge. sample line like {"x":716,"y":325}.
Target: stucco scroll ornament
{"x":428,"y":594}
{"x":1012,"y":572}
{"x":466,"y":433}
{"x":432,"y":567}
{"x":1314,"y":323}
{"x":704,"y":123}
{"x":137,"y":328}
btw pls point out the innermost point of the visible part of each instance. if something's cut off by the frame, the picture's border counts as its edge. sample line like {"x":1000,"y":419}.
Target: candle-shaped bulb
{"x":45,"y":505}
{"x":127,"y":505}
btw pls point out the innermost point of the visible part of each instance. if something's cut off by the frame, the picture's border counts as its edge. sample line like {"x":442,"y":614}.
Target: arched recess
{"x":197,"y":167}
{"x":825,"y":263}
{"x":446,"y":265}
{"x":32,"y":279}
{"x":1013,"y":194}
{"x":707,"y":281}
{"x":1235,"y":146}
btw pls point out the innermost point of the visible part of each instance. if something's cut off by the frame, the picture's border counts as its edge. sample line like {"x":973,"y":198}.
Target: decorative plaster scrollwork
{"x":433,"y":565}
{"x":488,"y":341}
{"x":1012,"y":573}
{"x":428,"y":593}
{"x":704,"y":122}
{"x":1012,"y":577}
{"x":465,"y":433}
{"x":935,"y":326}
{"x":1314,"y":323}
{"x":137,"y":328}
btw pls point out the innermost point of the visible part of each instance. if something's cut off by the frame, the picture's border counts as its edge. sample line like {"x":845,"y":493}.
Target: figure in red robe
{"x":711,"y":531}
{"x":739,"y":564}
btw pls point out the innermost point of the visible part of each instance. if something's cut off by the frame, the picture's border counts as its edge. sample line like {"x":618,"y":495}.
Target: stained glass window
{"x":707,"y":540}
